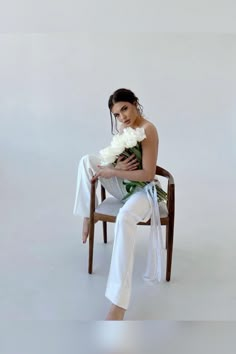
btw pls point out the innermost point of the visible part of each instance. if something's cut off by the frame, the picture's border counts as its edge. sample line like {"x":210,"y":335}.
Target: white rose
{"x":107,"y":155}
{"x":140,"y":134}
{"x":117,"y":144}
{"x":129,"y":138}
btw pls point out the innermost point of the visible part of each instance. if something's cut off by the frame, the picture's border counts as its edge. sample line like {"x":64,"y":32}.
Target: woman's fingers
{"x":133,"y":162}
{"x":127,"y":163}
{"x":133,"y":167}
{"x":95,"y":177}
{"x":130,"y":158}
{"x":121,"y":158}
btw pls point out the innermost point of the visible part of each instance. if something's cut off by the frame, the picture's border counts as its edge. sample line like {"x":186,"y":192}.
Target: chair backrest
{"x":164,"y":173}
{"x":160,"y":171}
{"x":170,"y":188}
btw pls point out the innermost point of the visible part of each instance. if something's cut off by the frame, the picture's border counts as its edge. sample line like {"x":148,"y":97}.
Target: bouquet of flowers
{"x":126,"y":144}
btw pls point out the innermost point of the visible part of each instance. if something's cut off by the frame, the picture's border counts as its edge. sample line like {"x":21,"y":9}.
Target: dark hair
{"x":122,"y":95}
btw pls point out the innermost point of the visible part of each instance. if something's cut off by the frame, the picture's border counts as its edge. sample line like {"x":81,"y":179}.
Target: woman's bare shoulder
{"x":149,"y":126}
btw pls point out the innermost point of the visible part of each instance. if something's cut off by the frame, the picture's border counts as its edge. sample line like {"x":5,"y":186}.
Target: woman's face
{"x":126,"y":113}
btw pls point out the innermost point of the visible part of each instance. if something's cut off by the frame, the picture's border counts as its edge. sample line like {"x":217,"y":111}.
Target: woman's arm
{"x":149,"y":158}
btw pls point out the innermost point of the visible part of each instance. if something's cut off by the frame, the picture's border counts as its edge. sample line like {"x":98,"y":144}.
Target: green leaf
{"x":130,"y":187}
{"x":137,"y":153}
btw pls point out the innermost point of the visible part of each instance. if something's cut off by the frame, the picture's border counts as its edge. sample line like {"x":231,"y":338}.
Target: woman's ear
{"x":137,"y":107}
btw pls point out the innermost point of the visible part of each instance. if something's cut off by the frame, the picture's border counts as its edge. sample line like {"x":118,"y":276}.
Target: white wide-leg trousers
{"x":137,"y":208}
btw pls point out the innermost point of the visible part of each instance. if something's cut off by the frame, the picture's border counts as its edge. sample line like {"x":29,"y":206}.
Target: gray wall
{"x":53,"y":107}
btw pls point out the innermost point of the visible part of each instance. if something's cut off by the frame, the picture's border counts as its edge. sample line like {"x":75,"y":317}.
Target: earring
{"x":139,"y":110}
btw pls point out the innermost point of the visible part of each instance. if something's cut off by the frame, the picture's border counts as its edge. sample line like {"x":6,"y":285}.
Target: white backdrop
{"x":122,"y":16}
{"x":55,"y":87}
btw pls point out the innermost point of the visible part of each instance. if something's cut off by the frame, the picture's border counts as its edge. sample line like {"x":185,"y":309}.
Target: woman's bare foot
{"x":115,"y":313}
{"x":85,"y":231}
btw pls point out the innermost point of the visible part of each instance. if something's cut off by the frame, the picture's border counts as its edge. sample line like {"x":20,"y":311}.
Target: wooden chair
{"x":113,"y":205}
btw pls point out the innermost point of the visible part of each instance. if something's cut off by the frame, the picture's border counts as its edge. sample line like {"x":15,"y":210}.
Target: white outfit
{"x":138,"y":207}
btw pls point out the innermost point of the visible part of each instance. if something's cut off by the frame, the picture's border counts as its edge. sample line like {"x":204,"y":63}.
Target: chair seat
{"x":111,"y":206}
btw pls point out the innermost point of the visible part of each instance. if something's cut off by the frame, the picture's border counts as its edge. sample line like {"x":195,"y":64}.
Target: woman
{"x":124,"y":106}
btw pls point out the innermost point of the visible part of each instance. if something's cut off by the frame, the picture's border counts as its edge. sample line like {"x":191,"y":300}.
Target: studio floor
{"x":43,"y":273}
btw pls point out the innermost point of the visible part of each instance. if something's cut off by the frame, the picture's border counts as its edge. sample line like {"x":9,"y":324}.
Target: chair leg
{"x":170,"y":237}
{"x":104,"y":224}
{"x":91,"y":244}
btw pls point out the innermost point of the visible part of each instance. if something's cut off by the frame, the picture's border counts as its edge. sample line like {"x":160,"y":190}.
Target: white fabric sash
{"x":156,"y":260}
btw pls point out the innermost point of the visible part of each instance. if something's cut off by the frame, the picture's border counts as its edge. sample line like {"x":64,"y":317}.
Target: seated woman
{"x":124,"y":106}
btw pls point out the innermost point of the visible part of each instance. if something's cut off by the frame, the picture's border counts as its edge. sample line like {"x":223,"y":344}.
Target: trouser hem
{"x":118,"y":296}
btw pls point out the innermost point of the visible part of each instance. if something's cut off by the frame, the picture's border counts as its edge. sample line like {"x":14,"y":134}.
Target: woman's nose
{"x":123,"y":116}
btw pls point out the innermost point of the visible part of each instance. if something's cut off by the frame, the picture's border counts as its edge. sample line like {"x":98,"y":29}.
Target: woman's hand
{"x":127,"y":164}
{"x":104,"y":171}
